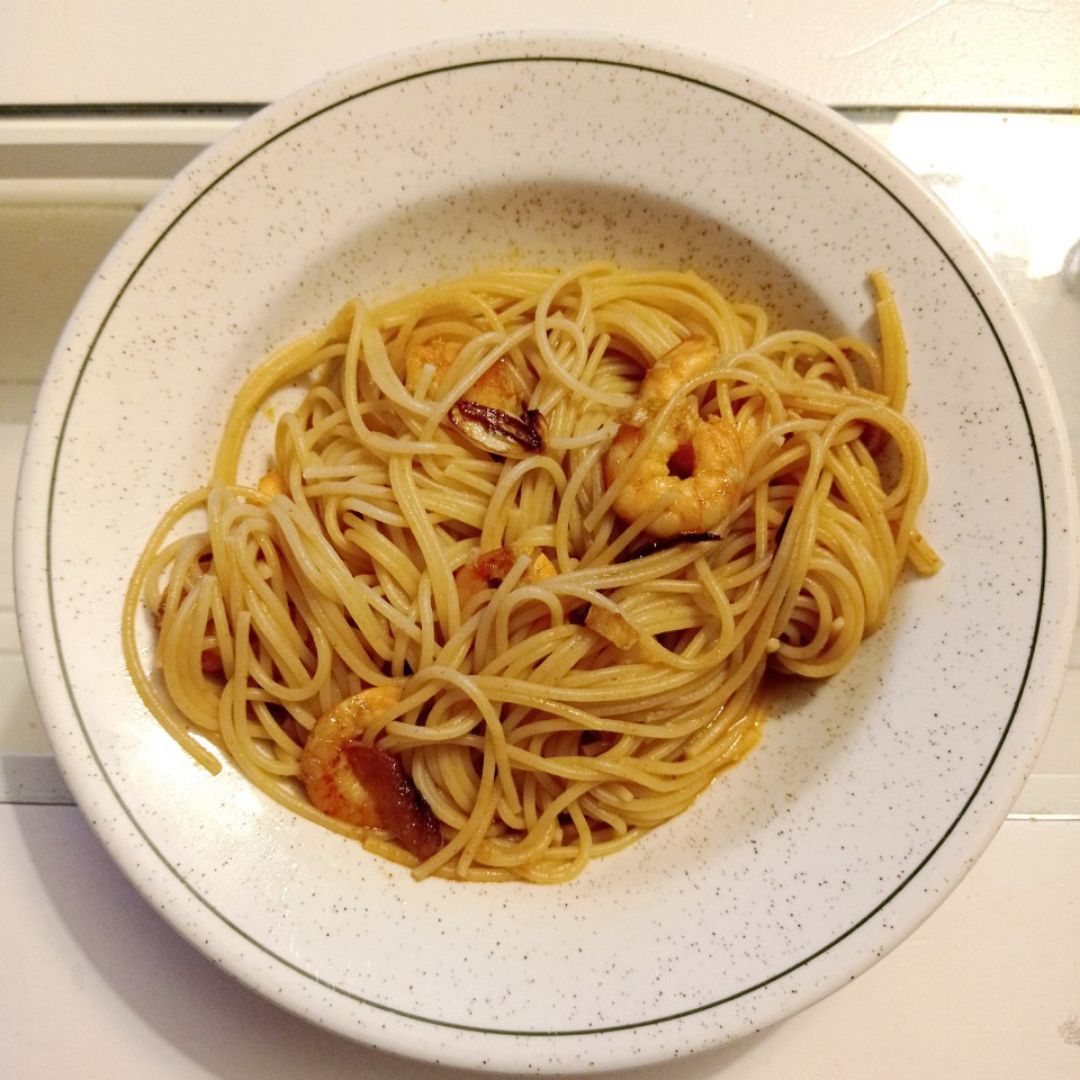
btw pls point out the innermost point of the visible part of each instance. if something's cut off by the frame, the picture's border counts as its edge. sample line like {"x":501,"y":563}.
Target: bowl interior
{"x":774,"y":884}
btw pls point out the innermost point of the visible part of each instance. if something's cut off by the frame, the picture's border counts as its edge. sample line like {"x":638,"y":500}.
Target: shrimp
{"x":488,"y":569}
{"x":669,"y":372}
{"x":492,"y":413}
{"x":498,"y":388}
{"x":360,"y":784}
{"x":697,"y":464}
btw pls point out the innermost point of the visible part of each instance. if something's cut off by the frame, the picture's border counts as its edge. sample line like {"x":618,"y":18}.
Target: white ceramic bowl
{"x":869,"y":796}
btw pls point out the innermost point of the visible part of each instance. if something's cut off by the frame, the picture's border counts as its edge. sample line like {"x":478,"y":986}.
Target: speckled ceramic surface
{"x":868,"y":797}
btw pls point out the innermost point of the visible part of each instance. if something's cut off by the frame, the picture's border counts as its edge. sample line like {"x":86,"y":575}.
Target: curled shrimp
{"x":492,"y":413}
{"x":360,"y":784}
{"x":696,"y":465}
{"x":487,"y":570}
{"x":498,"y":388}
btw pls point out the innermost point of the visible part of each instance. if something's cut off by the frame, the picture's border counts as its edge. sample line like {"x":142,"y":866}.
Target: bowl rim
{"x":44,"y":653}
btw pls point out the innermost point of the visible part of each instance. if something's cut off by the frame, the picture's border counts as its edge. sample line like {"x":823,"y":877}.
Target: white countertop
{"x":957,"y":53}
{"x":94,"y":982}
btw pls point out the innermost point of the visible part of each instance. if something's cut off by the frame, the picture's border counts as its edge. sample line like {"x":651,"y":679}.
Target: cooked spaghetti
{"x":507,"y":593}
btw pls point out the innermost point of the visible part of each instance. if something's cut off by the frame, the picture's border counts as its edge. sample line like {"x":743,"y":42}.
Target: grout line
{"x":967,"y":110}
{"x":68,"y":802}
{"x":1044,"y":817}
{"x":132,"y":108}
{"x":241,"y":109}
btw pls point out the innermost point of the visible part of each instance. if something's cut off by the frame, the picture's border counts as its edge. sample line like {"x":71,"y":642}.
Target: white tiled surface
{"x":996,"y":53}
{"x":988,"y":987}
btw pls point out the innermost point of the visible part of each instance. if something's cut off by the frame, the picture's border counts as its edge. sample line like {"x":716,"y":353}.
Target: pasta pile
{"x":507,"y":593}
